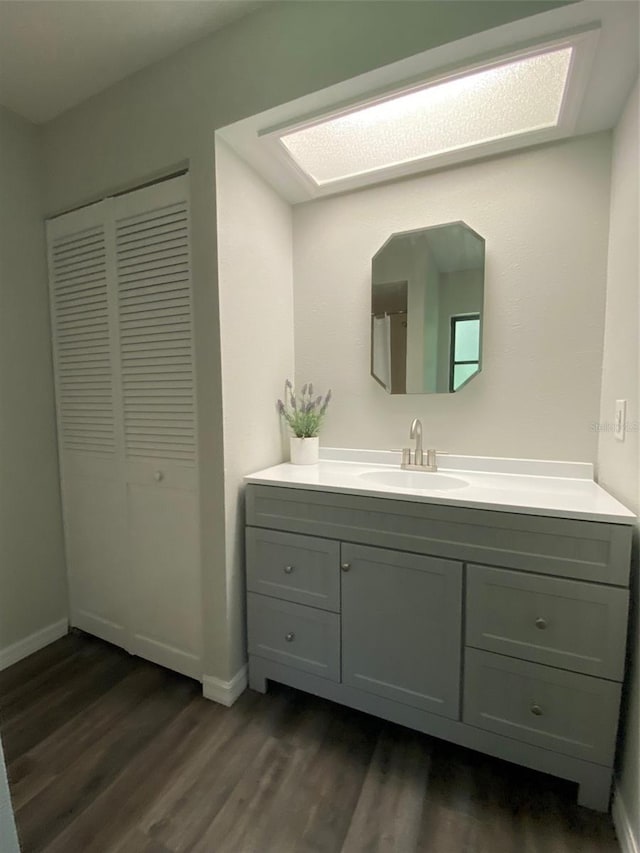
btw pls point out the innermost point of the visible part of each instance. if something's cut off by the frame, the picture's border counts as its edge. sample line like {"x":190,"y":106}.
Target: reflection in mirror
{"x":427,"y":291}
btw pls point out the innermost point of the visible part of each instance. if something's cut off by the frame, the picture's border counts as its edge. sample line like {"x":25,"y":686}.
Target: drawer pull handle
{"x":290,"y":637}
{"x":536,"y":710}
{"x":345,"y":566}
{"x":288,"y":570}
{"x":541,"y":623}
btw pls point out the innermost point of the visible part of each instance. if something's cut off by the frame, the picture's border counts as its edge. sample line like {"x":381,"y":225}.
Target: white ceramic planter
{"x":304,"y":451}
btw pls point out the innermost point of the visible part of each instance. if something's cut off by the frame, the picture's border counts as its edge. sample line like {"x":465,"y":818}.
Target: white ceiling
{"x":56,"y":53}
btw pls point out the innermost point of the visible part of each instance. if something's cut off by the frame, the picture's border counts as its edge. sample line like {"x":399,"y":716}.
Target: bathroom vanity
{"x":492,"y":613}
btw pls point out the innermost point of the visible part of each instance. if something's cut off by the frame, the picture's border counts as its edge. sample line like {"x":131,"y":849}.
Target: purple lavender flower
{"x":302,"y":412}
{"x":327,"y":400}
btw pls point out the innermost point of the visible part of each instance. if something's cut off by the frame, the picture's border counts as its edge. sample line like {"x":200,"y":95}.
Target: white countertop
{"x":532,"y":487}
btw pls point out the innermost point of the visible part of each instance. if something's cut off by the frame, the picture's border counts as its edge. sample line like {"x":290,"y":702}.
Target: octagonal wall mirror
{"x":427,"y":293}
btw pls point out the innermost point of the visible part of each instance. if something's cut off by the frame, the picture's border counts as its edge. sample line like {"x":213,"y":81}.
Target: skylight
{"x":520,"y":95}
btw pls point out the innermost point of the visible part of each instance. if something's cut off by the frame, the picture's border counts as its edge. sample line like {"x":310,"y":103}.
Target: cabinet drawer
{"x":292,"y":634}
{"x":302,"y":569}
{"x":568,"y":713}
{"x":569,"y":624}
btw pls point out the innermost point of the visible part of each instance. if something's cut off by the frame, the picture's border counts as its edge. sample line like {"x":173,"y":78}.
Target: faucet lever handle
{"x":432,"y":456}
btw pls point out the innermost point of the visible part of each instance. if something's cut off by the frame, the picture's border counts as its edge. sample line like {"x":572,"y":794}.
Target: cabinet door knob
{"x":536,"y":710}
{"x":288,"y":570}
{"x":158,"y":475}
{"x":541,"y":623}
{"x":290,"y":637}
{"x":345,"y":566}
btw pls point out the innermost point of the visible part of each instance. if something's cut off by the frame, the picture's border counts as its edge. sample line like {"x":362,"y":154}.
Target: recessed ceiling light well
{"x":478,"y":107}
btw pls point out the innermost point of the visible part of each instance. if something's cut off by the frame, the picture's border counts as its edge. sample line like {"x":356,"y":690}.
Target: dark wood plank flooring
{"x":109,"y":754}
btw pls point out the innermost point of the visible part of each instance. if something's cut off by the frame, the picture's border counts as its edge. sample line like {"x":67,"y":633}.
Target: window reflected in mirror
{"x":427,"y":299}
{"x":465,"y":349}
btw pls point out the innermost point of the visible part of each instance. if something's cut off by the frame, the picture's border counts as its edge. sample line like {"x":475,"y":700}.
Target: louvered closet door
{"x":80,"y":269}
{"x":153,"y":268}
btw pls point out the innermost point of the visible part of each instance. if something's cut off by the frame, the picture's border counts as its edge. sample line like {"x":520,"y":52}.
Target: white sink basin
{"x":427,"y":480}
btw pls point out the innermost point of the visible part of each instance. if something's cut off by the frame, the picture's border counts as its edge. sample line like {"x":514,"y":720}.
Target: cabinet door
{"x":157,"y":386}
{"x":95,"y":537}
{"x":155,"y":323}
{"x":93,"y":493}
{"x":82,"y":335}
{"x":164,"y":568}
{"x":401,"y":627}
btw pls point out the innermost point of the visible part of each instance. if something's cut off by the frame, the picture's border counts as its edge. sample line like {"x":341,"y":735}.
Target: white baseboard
{"x":33,"y":643}
{"x":225,"y":692}
{"x":624,"y":830}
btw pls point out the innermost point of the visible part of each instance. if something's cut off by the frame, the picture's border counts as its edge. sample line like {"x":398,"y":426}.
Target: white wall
{"x":32,"y":565}
{"x":166,"y":115}
{"x":544,"y":215}
{"x":255,"y":285}
{"x":618,"y":461}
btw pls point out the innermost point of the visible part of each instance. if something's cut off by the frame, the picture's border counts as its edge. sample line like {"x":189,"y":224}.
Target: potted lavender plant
{"x":303,"y":414}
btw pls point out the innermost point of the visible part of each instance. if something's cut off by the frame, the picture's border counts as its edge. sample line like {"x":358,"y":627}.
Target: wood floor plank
{"x":54,"y":707}
{"x":328,"y":795}
{"x":242,"y":810}
{"x":180,"y":816}
{"x":128,"y":796}
{"x":263,"y":817}
{"x":110,"y":754}
{"x":52,"y":758}
{"x":387,"y":816}
{"x":137,"y":842}
{"x":54,"y":677}
{"x":60,"y":806}
{"x":19,"y":674}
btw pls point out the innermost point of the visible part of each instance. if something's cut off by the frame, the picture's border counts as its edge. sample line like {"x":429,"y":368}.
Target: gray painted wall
{"x":32,"y":565}
{"x":166,"y":115}
{"x":618,"y":461}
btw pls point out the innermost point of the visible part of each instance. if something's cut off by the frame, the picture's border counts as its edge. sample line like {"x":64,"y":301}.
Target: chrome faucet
{"x":419,"y":463}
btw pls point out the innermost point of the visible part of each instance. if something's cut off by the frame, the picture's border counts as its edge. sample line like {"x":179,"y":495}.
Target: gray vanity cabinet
{"x":401,"y":627}
{"x":503,"y":632}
